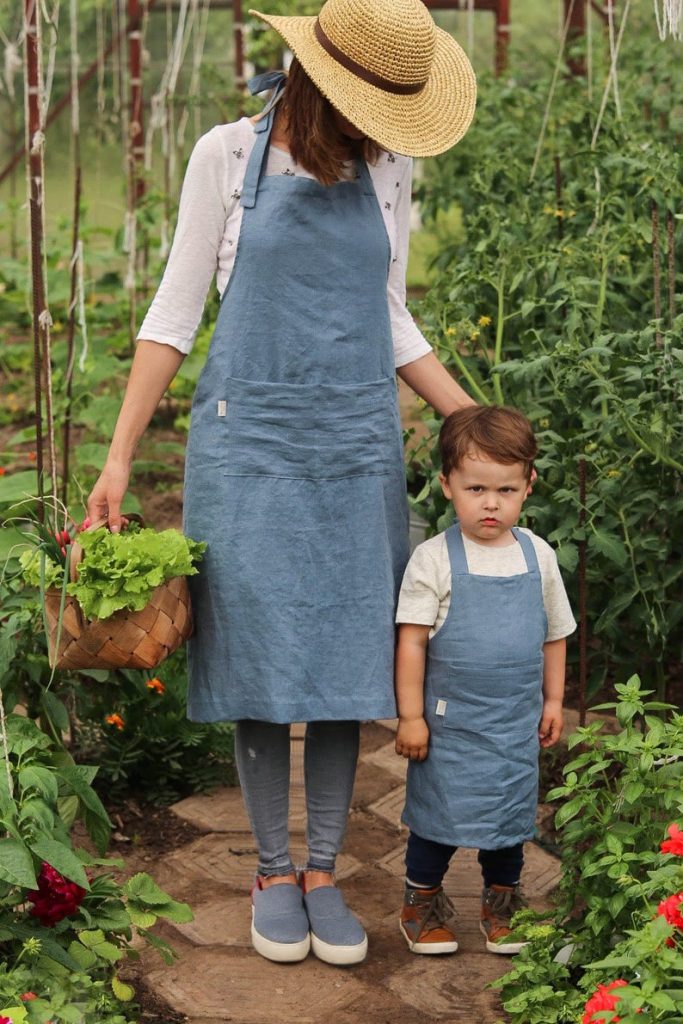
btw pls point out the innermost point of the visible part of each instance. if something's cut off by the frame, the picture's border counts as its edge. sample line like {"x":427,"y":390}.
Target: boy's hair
{"x":502,"y":434}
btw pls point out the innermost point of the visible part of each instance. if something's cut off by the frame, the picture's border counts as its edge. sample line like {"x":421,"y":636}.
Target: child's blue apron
{"x":478,"y":786}
{"x":294,"y":472}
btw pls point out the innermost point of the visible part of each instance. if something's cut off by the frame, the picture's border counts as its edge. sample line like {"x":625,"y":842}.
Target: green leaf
{"x":141,"y":918}
{"x":613,"y":844}
{"x":77,"y":779}
{"x":55,"y":711}
{"x":15,"y":487}
{"x":95,"y":941}
{"x":41,"y":779}
{"x":569,"y":811}
{"x":17,"y":1014}
{"x":181,"y":913}
{"x":61,"y":858}
{"x":145,"y":890}
{"x":16,"y":864}
{"x":122,"y":991}
{"x":67,"y":807}
{"x":633,"y":791}
{"x":83,"y":956}
{"x":608,"y":545}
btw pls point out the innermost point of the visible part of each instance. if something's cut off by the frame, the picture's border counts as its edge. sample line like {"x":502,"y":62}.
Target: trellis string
{"x":669,"y":22}
{"x":611,"y":74}
{"x":551,"y":91}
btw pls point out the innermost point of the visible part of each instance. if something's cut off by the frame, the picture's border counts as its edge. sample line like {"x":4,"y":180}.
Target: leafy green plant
{"x":620,"y":915}
{"x":73,"y":921}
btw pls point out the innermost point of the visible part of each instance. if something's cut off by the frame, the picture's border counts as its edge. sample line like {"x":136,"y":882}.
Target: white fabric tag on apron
{"x":441,"y":707}
{"x":222,"y":408}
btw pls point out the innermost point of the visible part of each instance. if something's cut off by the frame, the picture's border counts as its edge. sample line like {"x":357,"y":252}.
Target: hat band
{"x":357,"y":69}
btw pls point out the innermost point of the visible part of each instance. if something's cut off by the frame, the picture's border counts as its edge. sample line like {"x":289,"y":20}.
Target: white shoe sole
{"x":504,"y":948}
{"x":280,"y":952}
{"x":340,"y":956}
{"x":428,"y":947}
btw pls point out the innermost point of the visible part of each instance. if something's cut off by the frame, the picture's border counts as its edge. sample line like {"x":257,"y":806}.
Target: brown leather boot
{"x":498,"y":904}
{"x":426,"y":921}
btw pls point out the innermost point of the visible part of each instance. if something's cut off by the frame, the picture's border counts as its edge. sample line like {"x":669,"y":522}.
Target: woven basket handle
{"x":76,"y":553}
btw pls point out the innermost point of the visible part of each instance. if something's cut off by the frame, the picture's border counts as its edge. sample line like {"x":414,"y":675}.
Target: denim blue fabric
{"x":294,"y":470}
{"x":478,"y":786}
{"x":330,"y":919}
{"x":279,"y":913}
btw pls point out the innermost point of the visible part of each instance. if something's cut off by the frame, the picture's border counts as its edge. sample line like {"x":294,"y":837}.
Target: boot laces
{"x":439,"y":910}
{"x":505,"y":903}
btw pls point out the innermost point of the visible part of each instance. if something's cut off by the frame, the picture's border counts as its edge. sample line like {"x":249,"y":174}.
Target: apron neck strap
{"x":275,"y":80}
{"x":528,"y":549}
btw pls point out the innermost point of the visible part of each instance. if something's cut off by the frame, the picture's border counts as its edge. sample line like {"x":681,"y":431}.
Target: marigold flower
{"x":115,"y":720}
{"x":603,"y":1000}
{"x":55,"y":897}
{"x":484,"y":321}
{"x":670,"y":910}
{"x":674,"y":844}
{"x":32,"y":456}
{"x":156,"y":685}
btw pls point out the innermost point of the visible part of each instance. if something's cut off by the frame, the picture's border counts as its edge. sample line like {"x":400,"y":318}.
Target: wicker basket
{"x":126,"y":639}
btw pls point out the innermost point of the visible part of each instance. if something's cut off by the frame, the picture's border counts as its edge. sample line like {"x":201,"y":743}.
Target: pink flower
{"x":55,"y":897}
{"x":5,"y":1020}
{"x":603,"y":1000}
{"x":27,"y":996}
{"x":675,"y":842}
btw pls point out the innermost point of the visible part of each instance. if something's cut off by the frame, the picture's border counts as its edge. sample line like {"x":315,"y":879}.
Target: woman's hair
{"x":315,"y":141}
{"x":501,"y":434}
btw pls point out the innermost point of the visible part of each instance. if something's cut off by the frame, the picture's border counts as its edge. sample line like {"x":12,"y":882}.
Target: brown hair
{"x":504,"y":435}
{"x":315,"y":141}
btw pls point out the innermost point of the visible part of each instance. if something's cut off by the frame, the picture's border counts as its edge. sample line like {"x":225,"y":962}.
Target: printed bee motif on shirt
{"x":289,"y":173}
{"x":391,"y":158}
{"x":236,"y":194}
{"x":239,"y":153}
{"x":387,"y":206}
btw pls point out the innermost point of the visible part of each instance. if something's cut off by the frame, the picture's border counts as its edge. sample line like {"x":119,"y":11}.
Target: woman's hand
{"x":412,"y":738}
{"x":106,"y":496}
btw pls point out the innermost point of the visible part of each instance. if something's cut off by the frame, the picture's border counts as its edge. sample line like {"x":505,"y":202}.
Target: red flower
{"x":156,"y":684}
{"x":603,"y":1000}
{"x":670,"y":910}
{"x":5,"y":1020}
{"x":2,"y":473}
{"x":27,"y":996}
{"x":55,"y":897}
{"x":675,"y":843}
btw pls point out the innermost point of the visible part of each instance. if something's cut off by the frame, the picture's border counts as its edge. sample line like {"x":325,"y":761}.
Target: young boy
{"x":483,"y":617}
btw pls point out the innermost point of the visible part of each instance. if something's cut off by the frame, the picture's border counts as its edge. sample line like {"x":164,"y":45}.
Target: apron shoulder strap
{"x":456,"y":551}
{"x":528,"y":549}
{"x":275,"y":80}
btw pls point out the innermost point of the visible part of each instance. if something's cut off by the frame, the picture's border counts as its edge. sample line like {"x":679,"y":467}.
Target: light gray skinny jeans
{"x":262,"y":752}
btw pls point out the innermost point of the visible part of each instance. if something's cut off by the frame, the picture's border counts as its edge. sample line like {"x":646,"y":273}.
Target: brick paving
{"x":218,"y":978}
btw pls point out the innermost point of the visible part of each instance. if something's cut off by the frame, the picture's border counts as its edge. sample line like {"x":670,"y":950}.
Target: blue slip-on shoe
{"x":279,"y":925}
{"x":337,"y":936}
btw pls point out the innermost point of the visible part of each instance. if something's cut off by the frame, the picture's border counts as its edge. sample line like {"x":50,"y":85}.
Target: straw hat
{"x":387,"y":68}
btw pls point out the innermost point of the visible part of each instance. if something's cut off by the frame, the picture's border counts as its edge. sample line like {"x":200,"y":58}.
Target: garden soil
{"x":201,"y":851}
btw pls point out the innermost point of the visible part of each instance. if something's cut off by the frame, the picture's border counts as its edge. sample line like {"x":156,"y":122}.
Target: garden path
{"x":218,"y":978}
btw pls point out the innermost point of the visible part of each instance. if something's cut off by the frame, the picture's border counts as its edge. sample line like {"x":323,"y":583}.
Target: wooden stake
{"x":656,"y":273}
{"x":671,"y":265}
{"x":583,"y":624}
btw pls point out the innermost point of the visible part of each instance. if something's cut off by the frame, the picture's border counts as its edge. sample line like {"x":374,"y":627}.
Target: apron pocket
{"x":305,"y":431}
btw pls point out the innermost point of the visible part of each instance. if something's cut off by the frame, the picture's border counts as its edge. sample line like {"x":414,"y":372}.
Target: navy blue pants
{"x":427,"y":862}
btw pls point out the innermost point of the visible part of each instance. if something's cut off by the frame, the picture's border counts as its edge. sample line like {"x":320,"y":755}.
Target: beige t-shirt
{"x":425,"y":595}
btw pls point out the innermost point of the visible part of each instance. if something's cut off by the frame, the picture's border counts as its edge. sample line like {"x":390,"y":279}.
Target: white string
{"x":195,"y":80}
{"x":99,"y":31}
{"x":589,"y":50}
{"x":612,"y":72}
{"x":615,"y":82}
{"x":670,"y":20}
{"x":551,"y":91}
{"x":53,"y":23}
{"x":5,"y":748}
{"x":80,"y":293}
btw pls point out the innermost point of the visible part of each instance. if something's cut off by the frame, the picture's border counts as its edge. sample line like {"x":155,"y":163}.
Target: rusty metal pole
{"x":502,"y":35}
{"x":575,"y":13}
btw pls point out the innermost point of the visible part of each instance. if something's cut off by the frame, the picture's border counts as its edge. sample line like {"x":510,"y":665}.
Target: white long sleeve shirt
{"x":209,"y":220}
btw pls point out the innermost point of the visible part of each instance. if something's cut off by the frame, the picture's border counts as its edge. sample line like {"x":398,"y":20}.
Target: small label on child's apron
{"x":222,"y":408}
{"x":441,"y":707}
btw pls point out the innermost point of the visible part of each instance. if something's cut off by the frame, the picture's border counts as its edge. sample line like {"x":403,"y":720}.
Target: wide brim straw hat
{"x":387,"y":68}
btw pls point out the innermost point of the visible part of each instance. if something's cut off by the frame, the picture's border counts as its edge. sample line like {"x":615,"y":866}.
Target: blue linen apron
{"x":294,"y":469}
{"x":478,"y":786}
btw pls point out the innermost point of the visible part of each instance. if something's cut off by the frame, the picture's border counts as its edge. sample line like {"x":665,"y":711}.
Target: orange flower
{"x":115,"y":720}
{"x":32,"y":456}
{"x":2,"y":470}
{"x":156,"y":685}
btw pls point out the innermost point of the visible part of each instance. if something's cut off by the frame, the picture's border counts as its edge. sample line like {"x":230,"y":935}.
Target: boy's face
{"x":487,"y":497}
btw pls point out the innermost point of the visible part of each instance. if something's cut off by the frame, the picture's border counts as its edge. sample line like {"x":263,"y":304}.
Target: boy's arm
{"x":554,"y":656}
{"x":412,"y":737}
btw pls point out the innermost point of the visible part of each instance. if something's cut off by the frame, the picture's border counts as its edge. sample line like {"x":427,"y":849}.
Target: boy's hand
{"x":550,"y":728}
{"x":412,"y":738}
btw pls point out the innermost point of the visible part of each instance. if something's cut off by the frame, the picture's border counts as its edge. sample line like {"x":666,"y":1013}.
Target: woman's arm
{"x":432,"y":381}
{"x":154,"y":367}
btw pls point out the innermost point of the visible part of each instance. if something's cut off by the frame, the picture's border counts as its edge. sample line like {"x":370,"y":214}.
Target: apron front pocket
{"x":306,"y":431}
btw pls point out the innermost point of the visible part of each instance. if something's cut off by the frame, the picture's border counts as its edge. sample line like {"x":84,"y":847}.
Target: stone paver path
{"x":218,"y":978}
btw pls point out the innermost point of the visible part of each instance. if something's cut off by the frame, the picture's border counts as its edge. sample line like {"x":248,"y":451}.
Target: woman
{"x":294,"y":470}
